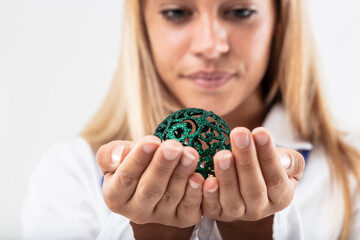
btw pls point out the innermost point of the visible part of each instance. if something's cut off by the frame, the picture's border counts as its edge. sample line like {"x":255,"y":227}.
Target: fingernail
{"x":187,"y":158}
{"x":194,"y":185}
{"x":172,"y":152}
{"x":213,"y":190}
{"x":116,"y":155}
{"x":261,"y":138}
{"x":241,"y":139}
{"x":285,"y":160}
{"x":150,"y":146}
{"x":224,"y":160}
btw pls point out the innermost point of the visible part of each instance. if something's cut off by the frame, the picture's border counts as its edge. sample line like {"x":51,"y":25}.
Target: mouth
{"x":210,"y":80}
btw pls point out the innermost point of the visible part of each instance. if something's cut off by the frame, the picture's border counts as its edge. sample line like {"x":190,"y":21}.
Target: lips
{"x":209,"y":80}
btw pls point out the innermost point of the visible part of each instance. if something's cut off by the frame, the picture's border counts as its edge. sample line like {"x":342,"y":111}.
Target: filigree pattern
{"x":205,"y":131}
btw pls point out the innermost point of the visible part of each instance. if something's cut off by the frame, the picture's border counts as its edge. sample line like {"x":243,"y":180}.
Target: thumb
{"x":110,"y":155}
{"x":293,"y":162}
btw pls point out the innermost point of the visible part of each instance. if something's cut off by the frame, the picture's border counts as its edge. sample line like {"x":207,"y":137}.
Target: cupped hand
{"x":254,"y":181}
{"x":152,"y":182}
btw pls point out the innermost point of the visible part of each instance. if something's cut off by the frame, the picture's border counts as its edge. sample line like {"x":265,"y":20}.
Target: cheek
{"x":168,"y":48}
{"x":253,"y":51}
{"x":261,"y":43}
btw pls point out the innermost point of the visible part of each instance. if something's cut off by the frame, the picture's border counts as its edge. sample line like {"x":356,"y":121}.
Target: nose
{"x":210,"y":39}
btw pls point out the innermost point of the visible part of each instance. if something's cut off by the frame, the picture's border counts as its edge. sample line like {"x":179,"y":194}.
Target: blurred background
{"x":57,"y":59}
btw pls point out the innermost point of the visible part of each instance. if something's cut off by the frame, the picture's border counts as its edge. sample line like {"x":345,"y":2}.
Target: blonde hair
{"x":138,"y":100}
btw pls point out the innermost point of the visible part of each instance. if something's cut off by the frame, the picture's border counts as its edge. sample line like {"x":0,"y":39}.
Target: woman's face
{"x":211,"y":54}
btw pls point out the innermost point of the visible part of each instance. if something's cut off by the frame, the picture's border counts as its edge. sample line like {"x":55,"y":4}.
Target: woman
{"x":252,"y":63}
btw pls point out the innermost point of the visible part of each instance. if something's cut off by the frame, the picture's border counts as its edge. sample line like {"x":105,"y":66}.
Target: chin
{"x":218,"y":108}
{"x":221,"y":111}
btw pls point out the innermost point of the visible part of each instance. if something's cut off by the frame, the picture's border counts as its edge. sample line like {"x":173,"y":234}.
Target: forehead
{"x":207,"y":2}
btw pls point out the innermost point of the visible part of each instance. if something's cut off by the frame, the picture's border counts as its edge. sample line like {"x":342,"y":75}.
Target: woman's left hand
{"x":254,"y":181}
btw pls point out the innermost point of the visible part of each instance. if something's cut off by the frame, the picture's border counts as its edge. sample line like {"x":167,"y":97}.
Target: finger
{"x":277,"y":182}
{"x":252,"y":184}
{"x":230,"y":199}
{"x":155,"y":178}
{"x":110,"y":155}
{"x":178,"y":181}
{"x":293,"y":162}
{"x":211,"y":205}
{"x":189,"y":210}
{"x":123,"y":183}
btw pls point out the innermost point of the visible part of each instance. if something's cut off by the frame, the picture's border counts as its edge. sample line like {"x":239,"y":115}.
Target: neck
{"x":249,"y":114}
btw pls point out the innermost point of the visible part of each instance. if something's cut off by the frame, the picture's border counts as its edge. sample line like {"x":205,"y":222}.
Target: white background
{"x":57,"y":59}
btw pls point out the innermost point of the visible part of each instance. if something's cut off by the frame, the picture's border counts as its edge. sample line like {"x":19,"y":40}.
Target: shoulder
{"x":76,"y":147}
{"x":67,"y":167}
{"x":70,"y":159}
{"x":64,"y":193}
{"x":74,"y":151}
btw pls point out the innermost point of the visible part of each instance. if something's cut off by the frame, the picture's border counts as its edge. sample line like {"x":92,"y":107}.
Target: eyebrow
{"x":182,"y":1}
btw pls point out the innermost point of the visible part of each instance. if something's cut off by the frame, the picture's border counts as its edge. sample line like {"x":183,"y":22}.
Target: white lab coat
{"x":64,"y":199}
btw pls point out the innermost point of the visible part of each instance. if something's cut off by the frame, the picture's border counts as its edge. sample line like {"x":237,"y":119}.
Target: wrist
{"x":261,"y":229}
{"x":159,"y":231}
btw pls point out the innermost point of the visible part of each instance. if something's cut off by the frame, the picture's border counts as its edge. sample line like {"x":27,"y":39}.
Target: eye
{"x":240,"y":13}
{"x":175,"y":15}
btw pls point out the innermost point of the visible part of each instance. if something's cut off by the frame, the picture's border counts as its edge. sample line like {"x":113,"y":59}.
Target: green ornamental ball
{"x":203,"y":130}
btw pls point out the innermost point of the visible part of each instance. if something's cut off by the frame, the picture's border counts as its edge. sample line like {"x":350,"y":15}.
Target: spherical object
{"x":203,"y":130}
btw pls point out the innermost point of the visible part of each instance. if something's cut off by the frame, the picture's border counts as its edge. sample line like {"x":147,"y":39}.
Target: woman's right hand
{"x":152,"y":181}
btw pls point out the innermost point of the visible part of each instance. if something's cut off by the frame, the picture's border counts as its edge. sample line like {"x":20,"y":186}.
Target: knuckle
{"x":257,"y":197}
{"x":246,"y":165}
{"x":234,"y":212}
{"x":229,"y":185}
{"x":275,"y":181}
{"x":138,"y":159}
{"x":268,"y":158}
{"x":210,"y":208}
{"x":150,"y":193}
{"x":126,"y":179}
{"x":178,"y":176}
{"x":170,"y":197}
{"x":190,"y":207}
{"x":163,"y":169}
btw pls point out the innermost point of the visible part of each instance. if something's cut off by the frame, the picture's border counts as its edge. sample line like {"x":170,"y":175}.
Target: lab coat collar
{"x":277,"y":122}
